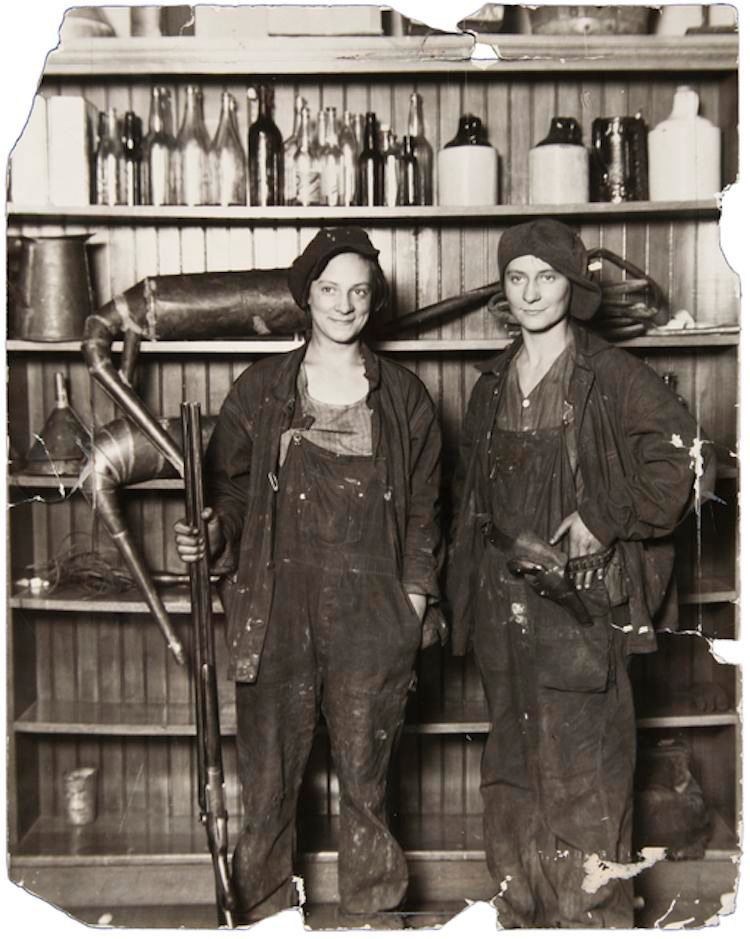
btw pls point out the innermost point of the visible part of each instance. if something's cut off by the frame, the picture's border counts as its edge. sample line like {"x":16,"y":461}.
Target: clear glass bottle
{"x":307,"y":176}
{"x":265,"y":149}
{"x":422,"y":149}
{"x":227,"y":158}
{"x":132,"y":147}
{"x":290,"y":148}
{"x":358,"y":126}
{"x":370,"y":185}
{"x":330,"y":162}
{"x":159,"y":151}
{"x":391,"y":166}
{"x":109,"y":161}
{"x":349,"y":157}
{"x":318,"y":141}
{"x":193,"y":174}
{"x":411,"y":191}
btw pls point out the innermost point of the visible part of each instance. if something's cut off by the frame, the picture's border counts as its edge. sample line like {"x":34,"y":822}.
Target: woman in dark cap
{"x":323,"y":475}
{"x":575,"y":467}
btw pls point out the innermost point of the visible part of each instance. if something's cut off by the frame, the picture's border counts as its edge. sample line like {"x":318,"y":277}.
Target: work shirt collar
{"x":285,"y":388}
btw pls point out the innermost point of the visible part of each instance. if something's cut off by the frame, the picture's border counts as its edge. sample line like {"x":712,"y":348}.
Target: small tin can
{"x":80,"y":795}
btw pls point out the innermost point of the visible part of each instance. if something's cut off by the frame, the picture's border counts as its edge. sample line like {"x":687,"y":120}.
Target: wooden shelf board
{"x":154,"y":840}
{"x":175,"y":720}
{"x":181,"y":840}
{"x":387,"y":55}
{"x":209,"y":215}
{"x":29,"y":481}
{"x":674,"y":339}
{"x":176,"y":600}
{"x":709,"y":593}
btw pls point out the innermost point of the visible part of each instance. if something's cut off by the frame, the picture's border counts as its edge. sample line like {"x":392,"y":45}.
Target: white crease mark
{"x":598,"y":872}
{"x":665,"y":915}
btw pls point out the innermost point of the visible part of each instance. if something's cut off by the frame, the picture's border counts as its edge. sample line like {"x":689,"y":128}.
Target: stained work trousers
{"x":342,"y":638}
{"x":558,"y":764}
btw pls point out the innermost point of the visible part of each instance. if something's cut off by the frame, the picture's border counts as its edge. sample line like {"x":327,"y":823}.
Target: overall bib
{"x":558,"y":763}
{"x":342,"y":638}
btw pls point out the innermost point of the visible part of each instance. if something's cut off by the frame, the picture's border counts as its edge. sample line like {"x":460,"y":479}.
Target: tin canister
{"x":619,"y":159}
{"x":80,"y":795}
{"x":51,"y":296}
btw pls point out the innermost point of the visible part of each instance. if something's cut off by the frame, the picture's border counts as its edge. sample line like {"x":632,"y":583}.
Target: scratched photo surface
{"x":563,"y":745}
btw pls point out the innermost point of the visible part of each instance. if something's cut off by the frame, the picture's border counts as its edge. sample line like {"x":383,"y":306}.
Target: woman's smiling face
{"x":341,"y":297}
{"x":538,"y":295}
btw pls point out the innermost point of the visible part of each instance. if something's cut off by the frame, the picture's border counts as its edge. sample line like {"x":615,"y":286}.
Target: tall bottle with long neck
{"x":159,"y":151}
{"x":290,"y":148}
{"x":422,"y":149}
{"x":330,"y":162}
{"x":410,"y":174}
{"x":227,"y":158}
{"x":370,"y":188}
{"x":132,"y":148}
{"x":307,"y":176}
{"x":193,"y":175}
{"x":349,"y":157}
{"x":265,"y":149}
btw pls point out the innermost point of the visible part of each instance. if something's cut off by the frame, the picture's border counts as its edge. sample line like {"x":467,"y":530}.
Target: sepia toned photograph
{"x":373,"y":545}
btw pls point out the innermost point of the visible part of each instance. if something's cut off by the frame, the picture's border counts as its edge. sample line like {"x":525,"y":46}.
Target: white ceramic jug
{"x":684,"y":153}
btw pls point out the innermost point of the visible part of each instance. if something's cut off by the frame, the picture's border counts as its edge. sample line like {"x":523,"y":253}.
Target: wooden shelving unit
{"x":437,"y":53}
{"x":91,"y":680}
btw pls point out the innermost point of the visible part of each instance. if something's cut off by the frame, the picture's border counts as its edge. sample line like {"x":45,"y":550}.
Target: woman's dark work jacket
{"x":242,"y":471}
{"x":638,"y":451}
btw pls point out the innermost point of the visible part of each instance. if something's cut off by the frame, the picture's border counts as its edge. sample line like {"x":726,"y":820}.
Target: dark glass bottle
{"x":109,"y":161}
{"x":411,"y":189}
{"x":422,"y":150}
{"x":371,"y":167}
{"x":265,"y":148}
{"x":132,"y":146}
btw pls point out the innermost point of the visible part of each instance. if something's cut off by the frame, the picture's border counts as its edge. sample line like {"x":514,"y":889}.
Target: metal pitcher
{"x":51,"y":296}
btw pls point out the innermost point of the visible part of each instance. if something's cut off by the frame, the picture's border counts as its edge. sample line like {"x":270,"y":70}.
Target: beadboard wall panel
{"x":112,"y":659}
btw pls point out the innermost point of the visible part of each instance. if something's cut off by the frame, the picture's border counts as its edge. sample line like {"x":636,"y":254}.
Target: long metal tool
{"x":213,"y":811}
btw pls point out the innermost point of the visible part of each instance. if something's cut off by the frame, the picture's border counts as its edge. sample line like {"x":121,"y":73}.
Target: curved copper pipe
{"x":183,"y":306}
{"x":122,"y":454}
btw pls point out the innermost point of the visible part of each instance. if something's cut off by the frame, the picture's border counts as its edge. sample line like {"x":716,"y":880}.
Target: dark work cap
{"x":560,"y":246}
{"x":326,"y":244}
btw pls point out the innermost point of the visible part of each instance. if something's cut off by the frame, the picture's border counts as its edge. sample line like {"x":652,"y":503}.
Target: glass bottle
{"x":290,"y":148}
{"x":358,"y":127}
{"x":370,"y":188}
{"x":132,"y":146}
{"x":307,"y":177}
{"x":253,"y":106}
{"x":265,"y":154}
{"x":349,"y":156}
{"x":422,"y":149}
{"x":193,"y":174}
{"x":159,"y":151}
{"x":330,"y":162}
{"x":391,"y":166}
{"x":109,"y":160}
{"x":318,"y":142}
{"x":411,"y":191}
{"x":228,"y":173}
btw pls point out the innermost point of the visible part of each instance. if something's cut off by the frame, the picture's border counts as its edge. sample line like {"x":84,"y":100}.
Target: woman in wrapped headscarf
{"x":576,"y":465}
